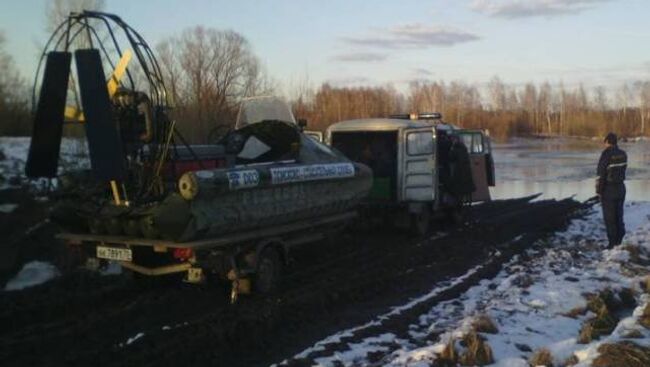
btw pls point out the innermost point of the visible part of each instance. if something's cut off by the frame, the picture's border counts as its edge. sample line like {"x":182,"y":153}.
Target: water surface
{"x":560,"y":168}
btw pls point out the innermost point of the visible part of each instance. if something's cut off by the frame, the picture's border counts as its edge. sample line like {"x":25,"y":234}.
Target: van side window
{"x":477,"y":143}
{"x":419,"y":143}
{"x":473,"y":142}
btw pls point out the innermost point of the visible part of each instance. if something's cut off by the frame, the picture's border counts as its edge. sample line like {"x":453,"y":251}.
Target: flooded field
{"x":560,"y":168}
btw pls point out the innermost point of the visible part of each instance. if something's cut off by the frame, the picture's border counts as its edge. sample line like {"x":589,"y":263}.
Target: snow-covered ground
{"x":12,"y":167}
{"x":13,"y":157}
{"x":533,"y":302}
{"x":32,"y":273}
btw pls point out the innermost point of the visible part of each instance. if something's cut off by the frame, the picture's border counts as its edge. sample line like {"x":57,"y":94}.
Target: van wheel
{"x":421,"y":222}
{"x":268,"y":272}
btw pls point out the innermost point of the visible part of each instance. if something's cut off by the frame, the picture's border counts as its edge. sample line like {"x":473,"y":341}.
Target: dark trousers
{"x":613,"y":215}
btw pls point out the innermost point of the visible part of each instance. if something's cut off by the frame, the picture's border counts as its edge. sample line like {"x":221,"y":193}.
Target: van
{"x":407,"y":162}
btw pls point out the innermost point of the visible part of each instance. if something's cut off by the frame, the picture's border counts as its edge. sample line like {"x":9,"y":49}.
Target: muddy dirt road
{"x":82,"y":319}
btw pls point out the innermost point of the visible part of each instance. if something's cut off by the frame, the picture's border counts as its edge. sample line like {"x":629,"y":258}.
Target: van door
{"x":417,"y":169}
{"x":480,"y":158}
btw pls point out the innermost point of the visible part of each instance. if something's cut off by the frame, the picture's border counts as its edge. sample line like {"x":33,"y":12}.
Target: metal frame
{"x":286,"y":236}
{"x":157,"y":271}
{"x":113,"y":37}
{"x":222,"y":241}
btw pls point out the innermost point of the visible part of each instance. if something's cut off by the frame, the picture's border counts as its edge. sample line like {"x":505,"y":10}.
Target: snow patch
{"x":133,"y":339}
{"x":32,"y":273}
{"x":73,"y":155}
{"x":8,"y":208}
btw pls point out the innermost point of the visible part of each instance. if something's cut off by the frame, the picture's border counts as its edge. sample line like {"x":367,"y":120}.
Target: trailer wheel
{"x":421,"y":222}
{"x":268,"y":271}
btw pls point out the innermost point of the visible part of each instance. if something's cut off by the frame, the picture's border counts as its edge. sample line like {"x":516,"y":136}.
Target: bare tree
{"x":643,"y":100}
{"x":14,"y":113}
{"x":208,"y":72}
{"x":58,"y":10}
{"x":545,"y":104}
{"x":427,"y":96}
{"x":624,"y":96}
{"x":171,"y":70}
{"x":497,"y":94}
{"x":529,"y":104}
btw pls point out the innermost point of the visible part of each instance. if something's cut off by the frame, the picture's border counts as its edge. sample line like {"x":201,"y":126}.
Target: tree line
{"x":503,"y":109}
{"x":14,"y":104}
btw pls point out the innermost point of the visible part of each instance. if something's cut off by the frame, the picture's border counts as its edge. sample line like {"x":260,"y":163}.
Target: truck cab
{"x":404,"y":155}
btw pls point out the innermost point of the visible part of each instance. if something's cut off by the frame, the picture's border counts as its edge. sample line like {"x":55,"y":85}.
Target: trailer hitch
{"x":240,"y":284}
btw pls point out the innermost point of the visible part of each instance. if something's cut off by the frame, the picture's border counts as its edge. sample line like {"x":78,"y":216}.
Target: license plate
{"x":112,"y":253}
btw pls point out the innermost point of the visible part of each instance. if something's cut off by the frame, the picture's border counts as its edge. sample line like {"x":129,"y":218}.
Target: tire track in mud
{"x":400,"y":318}
{"x":332,"y":286}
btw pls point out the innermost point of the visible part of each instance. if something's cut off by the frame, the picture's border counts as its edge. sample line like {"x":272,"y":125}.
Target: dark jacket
{"x":611,"y":173}
{"x":460,"y":180}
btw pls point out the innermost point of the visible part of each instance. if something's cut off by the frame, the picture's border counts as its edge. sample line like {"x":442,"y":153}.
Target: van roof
{"x":384,"y":124}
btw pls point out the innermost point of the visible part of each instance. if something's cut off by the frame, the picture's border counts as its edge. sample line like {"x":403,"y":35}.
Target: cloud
{"x":413,"y":36}
{"x":361,"y":57}
{"x":532,"y":8}
{"x":349,"y":81}
{"x":423,"y":72}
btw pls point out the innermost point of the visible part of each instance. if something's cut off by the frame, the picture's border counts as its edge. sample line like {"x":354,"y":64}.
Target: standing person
{"x":444,"y":146}
{"x":610,"y":187}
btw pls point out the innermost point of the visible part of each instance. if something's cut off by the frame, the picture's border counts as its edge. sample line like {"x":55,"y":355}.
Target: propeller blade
{"x":43,"y":156}
{"x":72,"y":114}
{"x":104,"y":143}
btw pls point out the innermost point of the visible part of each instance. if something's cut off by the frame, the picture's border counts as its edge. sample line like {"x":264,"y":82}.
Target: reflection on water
{"x":560,"y":168}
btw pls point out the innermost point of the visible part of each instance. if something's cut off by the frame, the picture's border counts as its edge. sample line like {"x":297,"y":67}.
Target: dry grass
{"x":586,"y":333}
{"x":625,"y":353}
{"x":475,"y":352}
{"x":595,"y":303}
{"x":602,"y":304}
{"x":571,"y":361}
{"x":541,"y":357}
{"x":575,"y":312}
{"x":632,"y":334}
{"x":449,"y":355}
{"x":478,"y":352}
{"x":484,"y":324}
{"x":603,"y":324}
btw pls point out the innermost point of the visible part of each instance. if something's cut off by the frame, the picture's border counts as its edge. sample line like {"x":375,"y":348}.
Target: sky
{"x":384,"y":42}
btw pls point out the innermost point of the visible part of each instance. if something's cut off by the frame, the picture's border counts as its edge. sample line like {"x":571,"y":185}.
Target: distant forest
{"x":209,"y":71}
{"x":505,"y":110}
